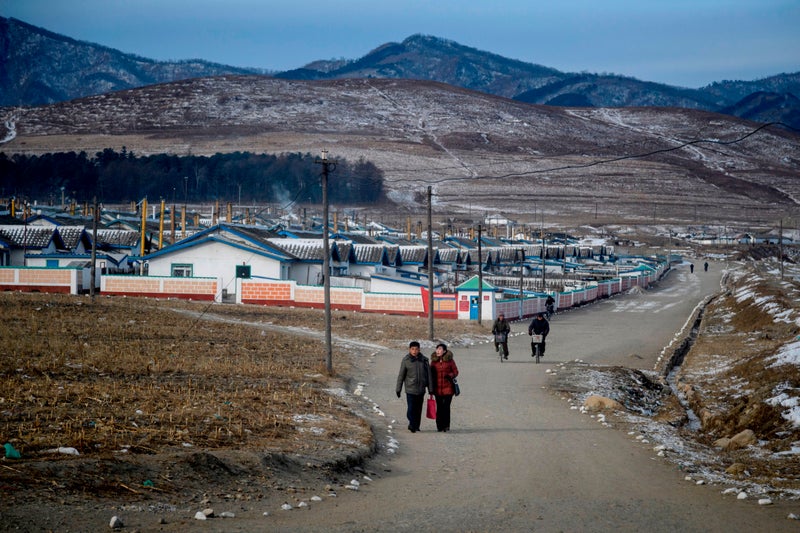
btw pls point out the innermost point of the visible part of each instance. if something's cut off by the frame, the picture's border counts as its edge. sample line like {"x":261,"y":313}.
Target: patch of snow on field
{"x":787,"y":396}
{"x":792,"y":403}
{"x":789,"y":354}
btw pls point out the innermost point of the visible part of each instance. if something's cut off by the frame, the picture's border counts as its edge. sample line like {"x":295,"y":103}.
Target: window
{"x":182,"y":271}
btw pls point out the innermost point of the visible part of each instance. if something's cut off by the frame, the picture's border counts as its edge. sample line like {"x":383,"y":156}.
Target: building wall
{"x":214,"y":259}
{"x":41,"y":279}
{"x":290,"y":293}
{"x":162,"y":287}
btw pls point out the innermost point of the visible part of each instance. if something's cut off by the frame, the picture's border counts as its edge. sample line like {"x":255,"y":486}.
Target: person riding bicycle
{"x":500,"y":329}
{"x":539,"y":326}
{"x":549,"y":305}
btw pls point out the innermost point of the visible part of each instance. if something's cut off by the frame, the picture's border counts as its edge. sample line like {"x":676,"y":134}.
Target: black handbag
{"x":456,"y":387}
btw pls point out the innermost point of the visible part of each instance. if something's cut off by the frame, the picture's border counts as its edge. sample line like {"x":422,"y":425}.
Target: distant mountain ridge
{"x":42,"y":67}
{"x":431,"y":58}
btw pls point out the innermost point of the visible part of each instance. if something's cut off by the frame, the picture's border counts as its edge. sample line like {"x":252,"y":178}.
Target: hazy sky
{"x":680,"y":42}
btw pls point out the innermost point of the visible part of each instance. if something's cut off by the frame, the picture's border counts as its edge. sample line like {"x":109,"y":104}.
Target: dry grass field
{"x":145,"y":389}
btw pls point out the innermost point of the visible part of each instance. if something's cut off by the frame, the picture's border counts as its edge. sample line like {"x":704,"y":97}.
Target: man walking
{"x":415,"y":376}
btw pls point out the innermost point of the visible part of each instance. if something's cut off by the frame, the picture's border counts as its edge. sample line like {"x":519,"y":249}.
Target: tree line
{"x":119,"y":177}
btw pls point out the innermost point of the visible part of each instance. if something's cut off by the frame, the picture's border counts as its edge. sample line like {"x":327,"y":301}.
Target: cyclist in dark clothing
{"x":539,"y":326}
{"x":549,"y":305}
{"x":500,"y":329}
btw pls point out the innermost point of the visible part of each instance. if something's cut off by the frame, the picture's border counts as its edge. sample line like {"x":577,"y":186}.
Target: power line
{"x":591,"y":164}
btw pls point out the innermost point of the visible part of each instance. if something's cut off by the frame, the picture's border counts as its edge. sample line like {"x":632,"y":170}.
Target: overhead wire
{"x":642,"y":155}
{"x":589,"y":164}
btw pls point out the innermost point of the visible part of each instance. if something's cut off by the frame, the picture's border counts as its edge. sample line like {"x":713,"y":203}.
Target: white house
{"x":224,"y":251}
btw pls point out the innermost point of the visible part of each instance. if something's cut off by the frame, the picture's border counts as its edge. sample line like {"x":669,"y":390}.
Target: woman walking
{"x":443,"y":372}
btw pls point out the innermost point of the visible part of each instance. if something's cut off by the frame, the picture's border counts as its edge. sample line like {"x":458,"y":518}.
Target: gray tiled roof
{"x":368,"y":253}
{"x":302,"y":249}
{"x":117,"y":237}
{"x":344,"y":250}
{"x":413,"y":254}
{"x":448,"y":255}
{"x":71,"y":235}
{"x":28,"y":236}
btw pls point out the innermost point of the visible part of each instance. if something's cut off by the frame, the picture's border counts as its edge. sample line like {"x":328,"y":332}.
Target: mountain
{"x":41,"y":67}
{"x":479,"y":152}
{"x":38,"y":66}
{"x":423,"y":57}
{"x":430,"y":58}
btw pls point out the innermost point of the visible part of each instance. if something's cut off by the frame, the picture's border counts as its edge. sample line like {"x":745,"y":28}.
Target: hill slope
{"x":44,"y":67}
{"x":476,"y":150}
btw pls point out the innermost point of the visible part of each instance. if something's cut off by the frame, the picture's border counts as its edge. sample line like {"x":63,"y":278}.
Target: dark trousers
{"x":443,"y":412}
{"x":504,"y":345}
{"x":414,"y":411}
{"x":541,"y":348}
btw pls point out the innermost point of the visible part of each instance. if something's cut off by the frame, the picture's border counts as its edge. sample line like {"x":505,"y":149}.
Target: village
{"x":263,"y":256}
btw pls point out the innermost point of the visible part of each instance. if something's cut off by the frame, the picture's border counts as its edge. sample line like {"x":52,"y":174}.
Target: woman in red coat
{"x":443,"y":372}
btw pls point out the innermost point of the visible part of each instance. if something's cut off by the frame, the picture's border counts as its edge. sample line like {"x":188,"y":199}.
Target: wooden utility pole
{"x":93,"y":271}
{"x":327,"y":168}
{"x":480,"y":278}
{"x":521,"y":280}
{"x":430,"y":264}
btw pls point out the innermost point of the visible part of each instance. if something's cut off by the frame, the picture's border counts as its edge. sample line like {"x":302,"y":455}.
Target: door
{"x":473,"y":308}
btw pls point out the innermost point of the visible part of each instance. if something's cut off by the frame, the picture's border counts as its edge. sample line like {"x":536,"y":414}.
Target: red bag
{"x":431,"y":412}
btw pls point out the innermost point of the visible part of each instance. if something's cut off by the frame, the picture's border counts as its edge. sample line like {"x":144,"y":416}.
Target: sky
{"x":687,"y":43}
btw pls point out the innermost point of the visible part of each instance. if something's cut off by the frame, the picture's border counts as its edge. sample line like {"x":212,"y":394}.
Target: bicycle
{"x":500,"y":339}
{"x":536,"y":346}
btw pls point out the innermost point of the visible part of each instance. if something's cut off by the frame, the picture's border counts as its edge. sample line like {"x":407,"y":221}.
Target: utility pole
{"x":521,"y":265}
{"x":544,"y":258}
{"x":480,"y":278}
{"x":143,"y":243}
{"x":161,"y":226}
{"x":430,"y":264}
{"x":327,"y":168}
{"x":93,"y":276}
{"x":185,"y":200}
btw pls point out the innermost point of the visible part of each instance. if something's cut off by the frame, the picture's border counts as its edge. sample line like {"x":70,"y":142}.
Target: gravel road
{"x":519,"y":459}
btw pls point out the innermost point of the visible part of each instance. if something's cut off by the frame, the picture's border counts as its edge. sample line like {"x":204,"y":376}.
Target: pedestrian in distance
{"x":500,"y":329}
{"x":539,"y":326}
{"x":705,"y":266}
{"x":691,"y":267}
{"x":415,"y":376}
{"x":443,"y":374}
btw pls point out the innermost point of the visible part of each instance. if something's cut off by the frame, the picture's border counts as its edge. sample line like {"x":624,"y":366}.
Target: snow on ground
{"x":701,"y":462}
{"x":11,"y":132}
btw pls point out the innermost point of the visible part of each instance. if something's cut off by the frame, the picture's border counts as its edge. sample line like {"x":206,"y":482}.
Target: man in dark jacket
{"x":539,"y":326}
{"x":415,"y":375}
{"x":500,"y":329}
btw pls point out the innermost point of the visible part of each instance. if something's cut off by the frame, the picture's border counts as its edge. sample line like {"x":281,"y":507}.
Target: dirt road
{"x":518,"y":459}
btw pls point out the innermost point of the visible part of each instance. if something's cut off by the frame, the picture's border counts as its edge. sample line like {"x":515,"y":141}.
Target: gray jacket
{"x":414,"y":374}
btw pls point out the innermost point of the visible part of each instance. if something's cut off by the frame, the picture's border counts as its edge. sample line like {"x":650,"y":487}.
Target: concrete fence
{"x":162,"y":287}
{"x":259,"y":291}
{"x":65,"y":280}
